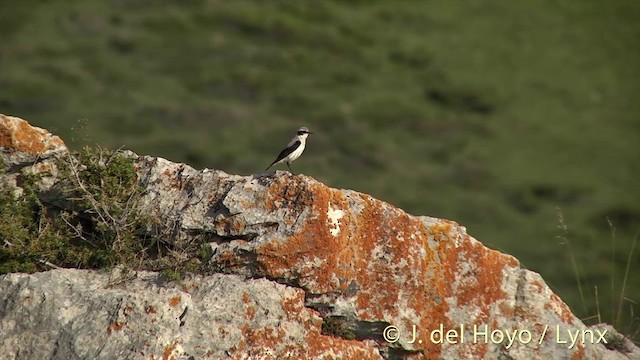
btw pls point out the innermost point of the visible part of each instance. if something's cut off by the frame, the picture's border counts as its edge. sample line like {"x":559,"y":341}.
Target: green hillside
{"x":497,"y":114}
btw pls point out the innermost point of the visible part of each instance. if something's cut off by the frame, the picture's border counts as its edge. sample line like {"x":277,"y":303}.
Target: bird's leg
{"x":289,"y":166}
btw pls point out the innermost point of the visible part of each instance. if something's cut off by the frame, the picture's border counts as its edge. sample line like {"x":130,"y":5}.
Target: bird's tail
{"x":269,"y":166}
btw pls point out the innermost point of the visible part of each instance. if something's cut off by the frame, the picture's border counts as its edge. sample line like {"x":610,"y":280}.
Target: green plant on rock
{"x":104,"y":189}
{"x":97,"y":222}
{"x":100,"y":228}
{"x":32,"y":239}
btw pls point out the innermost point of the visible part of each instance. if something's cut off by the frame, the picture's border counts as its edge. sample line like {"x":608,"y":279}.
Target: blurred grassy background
{"x":493,"y":114}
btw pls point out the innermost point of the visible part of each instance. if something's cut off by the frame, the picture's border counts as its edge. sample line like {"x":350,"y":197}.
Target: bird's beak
{"x":310,"y":132}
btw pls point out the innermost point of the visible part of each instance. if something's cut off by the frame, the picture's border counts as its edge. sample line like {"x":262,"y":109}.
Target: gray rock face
{"x":296,"y":269}
{"x":80,"y":314}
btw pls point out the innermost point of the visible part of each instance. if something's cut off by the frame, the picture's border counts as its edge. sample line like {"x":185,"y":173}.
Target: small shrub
{"x":100,"y":226}
{"x":30,"y":238}
{"x":104,"y":187}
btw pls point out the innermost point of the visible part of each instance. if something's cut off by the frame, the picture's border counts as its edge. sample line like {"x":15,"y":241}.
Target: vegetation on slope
{"x":499,"y":115}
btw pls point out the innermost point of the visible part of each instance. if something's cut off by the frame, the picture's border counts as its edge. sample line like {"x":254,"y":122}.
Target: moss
{"x":177,"y":270}
{"x":205,"y":253}
{"x":171,"y":275}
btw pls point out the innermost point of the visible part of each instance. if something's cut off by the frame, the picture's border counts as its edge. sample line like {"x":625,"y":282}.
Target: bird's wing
{"x":293,"y":145}
{"x":295,"y":142}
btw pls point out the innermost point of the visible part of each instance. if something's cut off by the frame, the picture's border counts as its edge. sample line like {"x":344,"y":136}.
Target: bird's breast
{"x":297,"y":152}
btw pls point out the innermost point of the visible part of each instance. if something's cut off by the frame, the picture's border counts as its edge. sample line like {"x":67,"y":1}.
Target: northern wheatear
{"x":293,"y":150}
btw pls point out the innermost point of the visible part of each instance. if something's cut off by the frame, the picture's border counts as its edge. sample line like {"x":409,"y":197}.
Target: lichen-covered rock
{"x":295,"y":269}
{"x":22,"y":144}
{"x":368,"y":262}
{"x":80,"y":314}
{"x":26,"y":149}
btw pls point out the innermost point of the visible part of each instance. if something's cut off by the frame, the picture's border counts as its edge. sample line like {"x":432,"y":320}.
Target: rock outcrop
{"x":81,"y":314}
{"x":294,"y":269}
{"x":23,"y":144}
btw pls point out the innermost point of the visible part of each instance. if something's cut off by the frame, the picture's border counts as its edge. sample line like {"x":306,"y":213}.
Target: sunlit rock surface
{"x":296,"y":269}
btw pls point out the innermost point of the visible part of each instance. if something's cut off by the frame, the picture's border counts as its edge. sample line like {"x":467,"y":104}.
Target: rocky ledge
{"x":291,"y":269}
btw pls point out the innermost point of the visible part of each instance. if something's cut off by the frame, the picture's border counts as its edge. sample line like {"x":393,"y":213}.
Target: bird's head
{"x":303,"y":132}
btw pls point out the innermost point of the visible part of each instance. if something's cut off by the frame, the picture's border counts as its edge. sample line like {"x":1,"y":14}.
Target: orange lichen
{"x":383,"y":258}
{"x":441,"y":231}
{"x":314,"y":241}
{"x":537,"y":285}
{"x":506,"y":310}
{"x":561,"y":309}
{"x":368,"y":251}
{"x":17,"y":135}
{"x":292,"y":306}
{"x":274,"y":342}
{"x":322,"y":346}
{"x":251,"y":309}
{"x":168,"y":173}
{"x":167,"y":352}
{"x":486,"y":275}
{"x":267,"y":343}
{"x":578,"y":354}
{"x":115,"y":326}
{"x":268,"y":337}
{"x":175,"y":300}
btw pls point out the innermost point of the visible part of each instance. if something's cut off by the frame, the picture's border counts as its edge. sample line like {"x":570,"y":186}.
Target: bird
{"x":293,"y":150}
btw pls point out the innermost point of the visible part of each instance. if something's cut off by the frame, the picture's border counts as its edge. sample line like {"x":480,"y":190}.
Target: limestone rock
{"x":26,"y":149}
{"x":81,"y":314}
{"x":371,"y":264}
{"x":22,"y":144}
{"x":296,"y":270}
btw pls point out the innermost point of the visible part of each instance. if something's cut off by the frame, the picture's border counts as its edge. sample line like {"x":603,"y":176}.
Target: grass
{"x":490,"y":113}
{"x":620,"y":313}
{"x":564,"y":240}
{"x":632,"y":322}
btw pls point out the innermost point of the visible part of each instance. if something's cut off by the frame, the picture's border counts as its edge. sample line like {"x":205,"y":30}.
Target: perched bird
{"x":293,"y":150}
